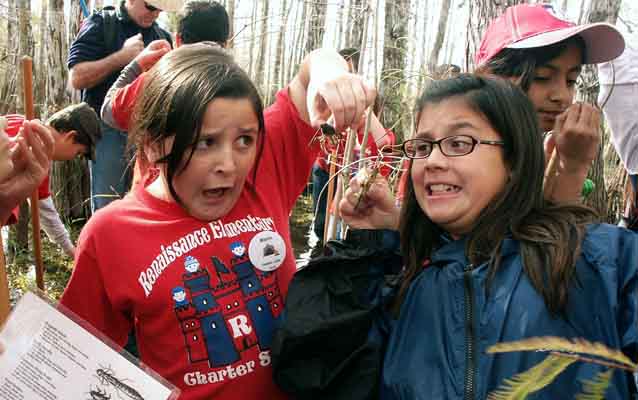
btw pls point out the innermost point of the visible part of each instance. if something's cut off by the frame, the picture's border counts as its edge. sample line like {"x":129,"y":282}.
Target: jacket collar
{"x":454,"y":250}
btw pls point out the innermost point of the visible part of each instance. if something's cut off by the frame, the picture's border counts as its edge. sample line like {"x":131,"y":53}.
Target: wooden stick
{"x":27,"y":79}
{"x":5,"y":305}
{"x":550,"y":175}
{"x":332,"y":160}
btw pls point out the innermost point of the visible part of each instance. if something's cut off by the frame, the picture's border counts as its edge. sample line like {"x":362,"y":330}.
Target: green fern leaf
{"x":532,"y":380}
{"x":595,"y":389}
{"x":558,"y":344}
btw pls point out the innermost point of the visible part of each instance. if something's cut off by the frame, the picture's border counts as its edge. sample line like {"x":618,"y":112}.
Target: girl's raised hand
{"x":152,"y":53}
{"x":332,"y":93}
{"x":577,"y":137}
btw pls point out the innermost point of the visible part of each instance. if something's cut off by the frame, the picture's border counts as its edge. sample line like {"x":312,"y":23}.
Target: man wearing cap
{"x":75,"y":130}
{"x":108,"y":41}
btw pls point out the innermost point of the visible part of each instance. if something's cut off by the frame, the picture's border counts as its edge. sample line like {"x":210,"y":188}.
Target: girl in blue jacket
{"x":544,"y":55}
{"x":486,"y":259}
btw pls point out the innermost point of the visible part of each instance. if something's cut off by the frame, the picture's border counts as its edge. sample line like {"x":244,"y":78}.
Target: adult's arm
{"x":87,"y":74}
{"x":128,"y":75}
{"x":121,"y":88}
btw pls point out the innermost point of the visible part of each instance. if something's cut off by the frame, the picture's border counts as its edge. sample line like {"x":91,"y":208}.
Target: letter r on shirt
{"x":240,"y":326}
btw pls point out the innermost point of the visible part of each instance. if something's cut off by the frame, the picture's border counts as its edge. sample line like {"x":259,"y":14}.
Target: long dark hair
{"x":522,"y":63}
{"x":549,"y":234}
{"x":176,"y":93}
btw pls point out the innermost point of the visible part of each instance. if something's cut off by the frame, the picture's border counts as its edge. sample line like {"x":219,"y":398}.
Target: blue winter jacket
{"x":437,"y":347}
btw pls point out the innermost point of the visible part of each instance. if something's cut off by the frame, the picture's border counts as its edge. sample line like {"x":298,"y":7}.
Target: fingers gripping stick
{"x":366,"y":177}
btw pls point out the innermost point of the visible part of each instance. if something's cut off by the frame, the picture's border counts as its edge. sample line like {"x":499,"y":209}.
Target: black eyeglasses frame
{"x":475,"y":142}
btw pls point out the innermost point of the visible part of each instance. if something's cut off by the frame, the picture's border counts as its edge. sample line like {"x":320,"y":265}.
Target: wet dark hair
{"x":176,"y":93}
{"x":549,"y":234}
{"x":204,"y":21}
{"x":522,"y":63}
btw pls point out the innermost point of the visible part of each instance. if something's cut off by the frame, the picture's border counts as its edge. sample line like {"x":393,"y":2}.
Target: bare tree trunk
{"x":230,"y":8}
{"x":481,"y":12}
{"x":339,"y":37}
{"x":75,"y":19}
{"x":39,"y":63}
{"x":392,"y":76}
{"x":25,"y":48}
{"x":440,"y":35}
{"x":253,"y":37}
{"x":424,"y":50}
{"x":260,"y":75}
{"x":56,"y":54}
{"x":377,"y":26}
{"x":8,"y":90}
{"x":348,"y":27}
{"x":450,"y":44}
{"x":298,"y":53}
{"x":276,"y":78}
{"x":356,"y":23}
{"x":316,"y":27}
{"x":599,"y":11}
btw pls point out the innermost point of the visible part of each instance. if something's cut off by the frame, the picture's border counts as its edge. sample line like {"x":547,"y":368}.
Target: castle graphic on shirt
{"x":229,"y":312}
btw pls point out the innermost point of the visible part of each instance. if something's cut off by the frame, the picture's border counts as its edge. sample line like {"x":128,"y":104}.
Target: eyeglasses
{"x":451,"y":146}
{"x":151,"y":8}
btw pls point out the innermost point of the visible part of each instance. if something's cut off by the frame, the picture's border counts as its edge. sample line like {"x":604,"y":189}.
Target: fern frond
{"x":595,"y":389}
{"x":558,"y":344}
{"x":532,"y":380}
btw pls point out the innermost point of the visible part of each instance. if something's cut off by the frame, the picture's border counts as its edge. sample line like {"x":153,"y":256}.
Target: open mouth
{"x":442,"y":188}
{"x":215,"y":193}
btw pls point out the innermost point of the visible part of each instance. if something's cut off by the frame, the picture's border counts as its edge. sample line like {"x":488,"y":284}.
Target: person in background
{"x":107,"y":41}
{"x":199,"y":21}
{"x":543,"y":54}
{"x":75,"y":131}
{"x":619,"y":98}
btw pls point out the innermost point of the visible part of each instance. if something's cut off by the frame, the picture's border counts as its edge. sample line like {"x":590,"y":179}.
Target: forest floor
{"x":58,"y":266}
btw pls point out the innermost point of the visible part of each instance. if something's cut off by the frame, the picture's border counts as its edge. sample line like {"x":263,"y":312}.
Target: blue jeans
{"x":111,"y":170}
{"x":634,"y":182}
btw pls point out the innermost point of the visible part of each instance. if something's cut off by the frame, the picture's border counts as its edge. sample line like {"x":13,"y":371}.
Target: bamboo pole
{"x":27,"y":78}
{"x":5,"y":305}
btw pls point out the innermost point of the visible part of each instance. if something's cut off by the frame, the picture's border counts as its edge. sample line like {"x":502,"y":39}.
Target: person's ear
{"x":69,"y":137}
{"x":156,"y":150}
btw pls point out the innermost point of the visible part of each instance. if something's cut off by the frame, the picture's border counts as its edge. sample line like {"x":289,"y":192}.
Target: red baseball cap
{"x":527,"y":26}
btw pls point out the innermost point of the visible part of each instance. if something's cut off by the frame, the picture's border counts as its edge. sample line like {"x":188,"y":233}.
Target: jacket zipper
{"x":470,"y":344}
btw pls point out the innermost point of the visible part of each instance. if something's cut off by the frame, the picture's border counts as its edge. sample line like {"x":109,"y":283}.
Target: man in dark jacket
{"x":107,"y":41}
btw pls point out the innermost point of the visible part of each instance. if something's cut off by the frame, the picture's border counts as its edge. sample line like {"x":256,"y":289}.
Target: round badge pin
{"x":267,"y":251}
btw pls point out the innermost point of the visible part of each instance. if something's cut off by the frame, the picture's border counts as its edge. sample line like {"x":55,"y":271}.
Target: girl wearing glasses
{"x":486,"y":259}
{"x":542,"y":54}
